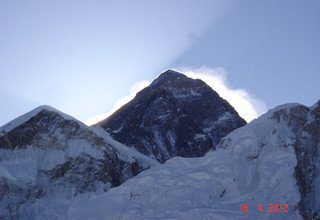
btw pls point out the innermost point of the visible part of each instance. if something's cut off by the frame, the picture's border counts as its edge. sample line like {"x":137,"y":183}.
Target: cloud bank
{"x":245,"y":104}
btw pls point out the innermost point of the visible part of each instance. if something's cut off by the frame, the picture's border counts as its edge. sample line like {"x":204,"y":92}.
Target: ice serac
{"x":174,"y":116}
{"x":271,"y":164}
{"x":46,"y":155}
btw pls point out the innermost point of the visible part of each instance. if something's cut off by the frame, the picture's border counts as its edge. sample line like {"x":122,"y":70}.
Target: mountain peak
{"x":171,"y":74}
{"x":42,"y":127}
{"x":175,"y":81}
{"x":27,"y":116}
{"x":174,"y":116}
{"x":316,"y":105}
{"x":171,"y":78}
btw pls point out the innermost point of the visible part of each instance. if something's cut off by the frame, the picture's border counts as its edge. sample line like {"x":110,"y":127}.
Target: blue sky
{"x":83,"y":56}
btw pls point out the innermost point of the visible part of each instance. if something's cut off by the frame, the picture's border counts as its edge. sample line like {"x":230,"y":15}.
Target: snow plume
{"x":245,"y":104}
{"x":123,"y":100}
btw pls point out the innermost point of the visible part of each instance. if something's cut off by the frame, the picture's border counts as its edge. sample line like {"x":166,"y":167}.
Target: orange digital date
{"x":271,"y":208}
{"x":278,"y":207}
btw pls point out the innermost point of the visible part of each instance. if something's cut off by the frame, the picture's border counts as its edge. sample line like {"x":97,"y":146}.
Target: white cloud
{"x":245,"y":104}
{"x":123,"y":100}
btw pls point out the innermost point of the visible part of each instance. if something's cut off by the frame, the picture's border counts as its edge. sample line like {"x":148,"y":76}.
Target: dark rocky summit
{"x":174,"y":116}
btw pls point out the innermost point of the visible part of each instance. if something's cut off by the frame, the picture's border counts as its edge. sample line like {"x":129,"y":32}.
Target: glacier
{"x":255,"y":165}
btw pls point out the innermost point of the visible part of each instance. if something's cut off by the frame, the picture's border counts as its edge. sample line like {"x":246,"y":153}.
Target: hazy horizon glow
{"x":81,"y":56}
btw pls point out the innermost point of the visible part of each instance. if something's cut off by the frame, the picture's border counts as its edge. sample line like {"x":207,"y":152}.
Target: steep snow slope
{"x":272,"y":160}
{"x":174,"y":116}
{"x":125,"y":153}
{"x":47,"y":158}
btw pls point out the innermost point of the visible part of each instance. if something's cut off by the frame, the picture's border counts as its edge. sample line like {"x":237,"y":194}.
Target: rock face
{"x":46,"y":154}
{"x":305,"y":124}
{"x":174,"y":116}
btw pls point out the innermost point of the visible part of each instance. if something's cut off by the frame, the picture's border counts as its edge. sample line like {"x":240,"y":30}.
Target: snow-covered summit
{"x":27,"y":116}
{"x":287,"y":106}
{"x":48,"y":157}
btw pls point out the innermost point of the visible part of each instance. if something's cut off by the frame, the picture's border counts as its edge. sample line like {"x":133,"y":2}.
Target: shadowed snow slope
{"x":272,"y":160}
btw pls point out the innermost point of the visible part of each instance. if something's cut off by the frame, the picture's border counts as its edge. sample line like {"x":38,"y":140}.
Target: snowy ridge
{"x":25,"y":117}
{"x":286,"y":107}
{"x":125,"y":153}
{"x":54,"y":167}
{"x":317,"y":104}
{"x":255,"y":164}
